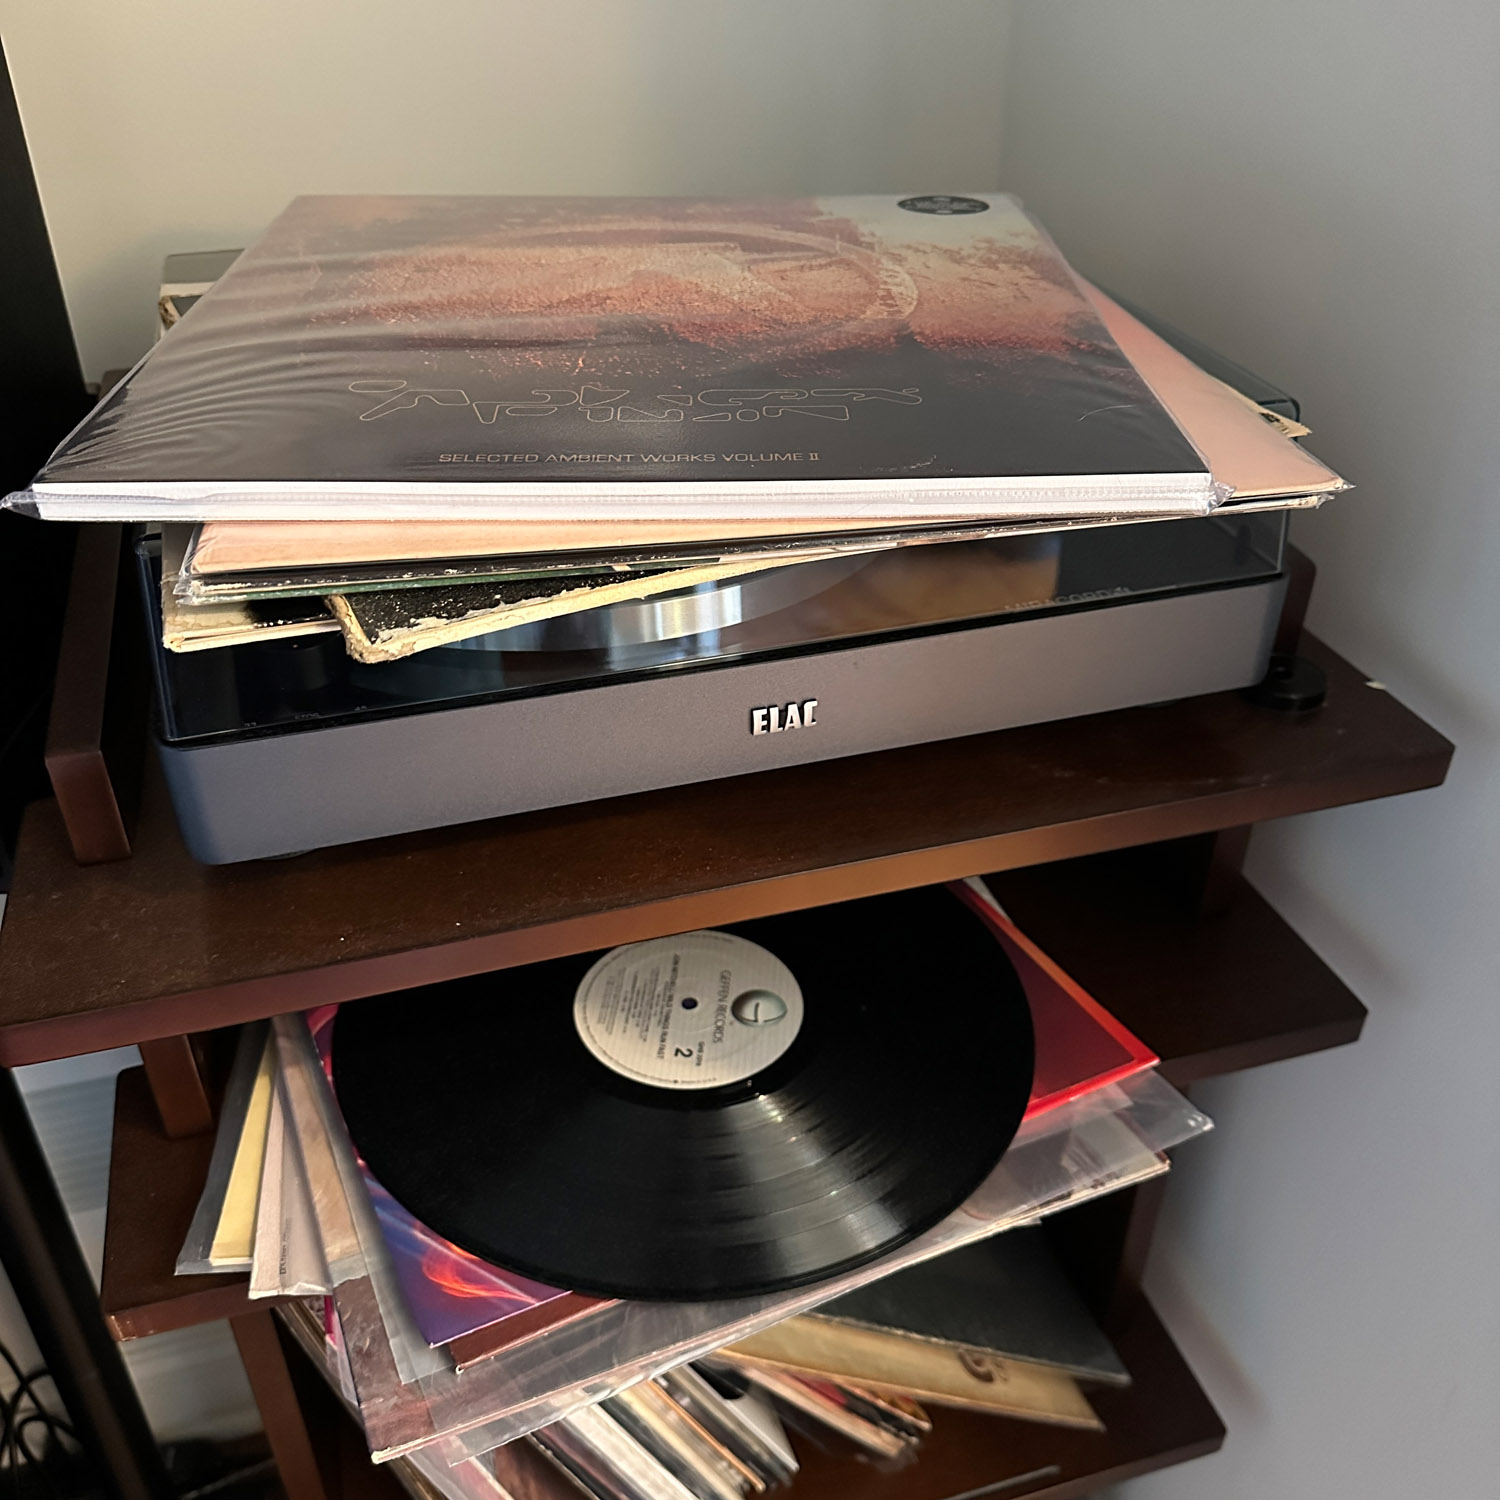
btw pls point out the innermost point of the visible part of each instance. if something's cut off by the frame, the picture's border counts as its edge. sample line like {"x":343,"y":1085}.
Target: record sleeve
{"x":1079,"y":1045}
{"x":593,"y":1447}
{"x":1103,"y":1141}
{"x":193,"y":1258}
{"x":1256,"y":459}
{"x":669,"y":358}
{"x":286,"y":1260}
{"x":827,"y":1405}
{"x":1005,"y":1296}
{"x":927,"y":1372}
{"x":454,"y":1297}
{"x":384,"y":625}
{"x":660,"y":1426}
{"x":234,"y":1235}
{"x":744,"y":1423}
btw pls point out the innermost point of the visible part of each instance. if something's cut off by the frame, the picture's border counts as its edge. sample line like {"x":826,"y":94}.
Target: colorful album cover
{"x":1080,"y":1047}
{"x":491,"y":354}
{"x":450,"y":1292}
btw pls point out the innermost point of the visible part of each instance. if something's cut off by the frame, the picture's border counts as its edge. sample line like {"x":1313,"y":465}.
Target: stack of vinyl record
{"x":423,"y":421}
{"x":620,"y":1220}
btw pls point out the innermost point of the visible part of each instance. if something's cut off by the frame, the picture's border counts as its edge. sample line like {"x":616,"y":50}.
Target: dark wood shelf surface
{"x":1208,"y":994}
{"x":158,"y":945}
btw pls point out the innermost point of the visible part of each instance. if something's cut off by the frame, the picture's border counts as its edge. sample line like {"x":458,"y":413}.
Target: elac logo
{"x":776,"y":717}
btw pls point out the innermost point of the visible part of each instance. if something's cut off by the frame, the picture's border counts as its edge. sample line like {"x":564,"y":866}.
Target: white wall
{"x":163,"y":125}
{"x":1313,"y":187}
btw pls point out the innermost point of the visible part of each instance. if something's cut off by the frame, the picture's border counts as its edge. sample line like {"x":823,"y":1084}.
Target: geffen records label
{"x":689,"y":1012}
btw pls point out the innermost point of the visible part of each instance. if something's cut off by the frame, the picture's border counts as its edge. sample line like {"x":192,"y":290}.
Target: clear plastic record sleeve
{"x":287,"y":1260}
{"x":194,"y":1257}
{"x":1109,"y":1139}
{"x":421,"y":1474}
{"x":671,"y":358}
{"x":364,"y":1282}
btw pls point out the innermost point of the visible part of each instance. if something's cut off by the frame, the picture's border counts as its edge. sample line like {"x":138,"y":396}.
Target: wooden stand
{"x":1114,"y":841}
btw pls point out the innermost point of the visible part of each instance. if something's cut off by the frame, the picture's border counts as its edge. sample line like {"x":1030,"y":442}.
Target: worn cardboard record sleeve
{"x":385,"y":626}
{"x":911,"y":1367}
{"x":189,"y":626}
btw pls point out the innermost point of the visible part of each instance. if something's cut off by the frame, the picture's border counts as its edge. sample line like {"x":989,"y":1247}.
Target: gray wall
{"x":1313,"y":188}
{"x":162,"y":125}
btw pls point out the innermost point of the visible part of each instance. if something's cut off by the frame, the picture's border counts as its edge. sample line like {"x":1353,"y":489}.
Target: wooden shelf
{"x":158,"y":945}
{"x":1208,"y":995}
{"x":1095,"y":827}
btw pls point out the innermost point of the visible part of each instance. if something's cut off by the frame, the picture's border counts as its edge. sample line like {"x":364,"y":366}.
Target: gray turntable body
{"x":280,"y":793}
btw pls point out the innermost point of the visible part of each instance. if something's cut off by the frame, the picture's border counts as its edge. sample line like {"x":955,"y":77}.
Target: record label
{"x":694,"y":1011}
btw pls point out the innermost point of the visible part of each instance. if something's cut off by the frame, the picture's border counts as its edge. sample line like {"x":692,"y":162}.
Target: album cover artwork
{"x":450,"y":1292}
{"x":492,"y":355}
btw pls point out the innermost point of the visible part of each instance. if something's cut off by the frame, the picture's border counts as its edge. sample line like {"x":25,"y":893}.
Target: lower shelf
{"x":1209,"y":995}
{"x":1162,"y":1418}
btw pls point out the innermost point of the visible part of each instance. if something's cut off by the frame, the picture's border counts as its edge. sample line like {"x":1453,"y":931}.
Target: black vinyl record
{"x":713,"y":1115}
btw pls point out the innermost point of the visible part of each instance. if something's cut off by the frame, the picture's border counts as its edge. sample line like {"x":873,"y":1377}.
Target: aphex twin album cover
{"x":519,"y":356}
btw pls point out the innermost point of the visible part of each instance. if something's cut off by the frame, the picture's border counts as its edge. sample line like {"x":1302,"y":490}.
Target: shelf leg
{"x":1140,"y":1230}
{"x":177,"y":1086}
{"x":77,"y":765}
{"x":1301,"y":573}
{"x":1225,"y":858}
{"x":280,"y":1410}
{"x":40,"y":1252}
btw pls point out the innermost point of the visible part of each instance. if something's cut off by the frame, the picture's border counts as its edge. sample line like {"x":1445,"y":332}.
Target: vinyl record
{"x":711,"y":1115}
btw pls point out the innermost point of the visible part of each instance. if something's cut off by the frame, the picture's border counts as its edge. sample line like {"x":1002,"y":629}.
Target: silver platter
{"x":669,"y":617}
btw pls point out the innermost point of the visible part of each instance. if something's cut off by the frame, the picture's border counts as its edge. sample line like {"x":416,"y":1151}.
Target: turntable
{"x":276,"y":747}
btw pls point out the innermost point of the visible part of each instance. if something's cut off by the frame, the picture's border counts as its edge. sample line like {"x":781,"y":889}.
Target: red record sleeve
{"x":1080,"y":1047}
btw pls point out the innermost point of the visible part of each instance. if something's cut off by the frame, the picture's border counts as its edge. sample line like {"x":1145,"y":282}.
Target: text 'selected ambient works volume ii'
{"x":509,"y":357}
